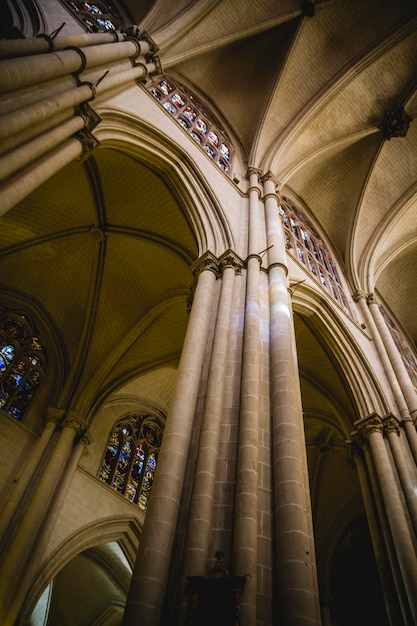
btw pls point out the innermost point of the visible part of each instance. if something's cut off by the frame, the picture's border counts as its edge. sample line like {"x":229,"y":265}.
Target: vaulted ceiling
{"x":306,"y":97}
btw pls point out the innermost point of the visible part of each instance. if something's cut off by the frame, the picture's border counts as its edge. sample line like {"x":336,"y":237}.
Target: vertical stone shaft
{"x":148,"y":584}
{"x":45,"y":532}
{"x":296,"y":589}
{"x":15,"y":561}
{"x":25,"y":476}
{"x":395,"y":357}
{"x":245,"y":533}
{"x":372,"y":428}
{"x":201,"y":508}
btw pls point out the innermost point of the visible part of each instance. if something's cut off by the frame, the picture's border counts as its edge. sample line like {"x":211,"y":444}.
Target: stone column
{"x":14,"y":564}
{"x":149,"y":580}
{"x":372,"y":429}
{"x":25,"y":476}
{"x":196,"y":551}
{"x":381,"y":552}
{"x":36,"y":558}
{"x":393,"y":434}
{"x":361,"y":298}
{"x":401,"y":373}
{"x":296,"y":575}
{"x":245,"y":535}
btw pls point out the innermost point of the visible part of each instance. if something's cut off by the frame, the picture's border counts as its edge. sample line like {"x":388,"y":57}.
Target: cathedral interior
{"x":208,"y":329}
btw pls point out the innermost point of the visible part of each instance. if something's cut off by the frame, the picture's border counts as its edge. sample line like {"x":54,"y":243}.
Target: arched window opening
{"x":131,"y":457}
{"x":96,"y":16}
{"x":310,"y":250}
{"x":195,"y":119}
{"x":22,"y":362}
{"x":408,"y":358}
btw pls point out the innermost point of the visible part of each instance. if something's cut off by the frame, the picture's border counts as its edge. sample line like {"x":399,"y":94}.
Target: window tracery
{"x":131,"y":457}
{"x":408,"y":358}
{"x":96,"y":16}
{"x":195,"y":119}
{"x":22,"y":362}
{"x":310,"y":250}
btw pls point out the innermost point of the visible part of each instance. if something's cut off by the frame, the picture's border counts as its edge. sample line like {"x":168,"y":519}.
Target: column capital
{"x":72,"y":420}
{"x":90,"y":117}
{"x":372,"y":299}
{"x":253,"y":170}
{"x":369,"y":425}
{"x":231,"y":259}
{"x":391,"y":425}
{"x":269,"y":176}
{"x":54,"y":415}
{"x":207,"y":261}
{"x":360,"y":294}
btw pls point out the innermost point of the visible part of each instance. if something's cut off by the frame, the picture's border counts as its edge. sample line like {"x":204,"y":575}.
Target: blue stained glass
{"x":210,"y":151}
{"x":156,"y":93}
{"x":225,"y":150}
{"x":92,"y":8}
{"x":166,"y":87}
{"x":107,"y":24}
{"x":190,"y":113}
{"x":178,"y":100}
{"x":223,"y":166}
{"x":170,"y":107}
{"x":183,"y":123}
{"x":213,"y":138}
{"x":201,"y":126}
{"x":196,"y":136}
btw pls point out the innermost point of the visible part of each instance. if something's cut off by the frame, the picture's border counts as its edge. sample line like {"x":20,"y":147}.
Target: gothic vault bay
{"x":208,"y":329}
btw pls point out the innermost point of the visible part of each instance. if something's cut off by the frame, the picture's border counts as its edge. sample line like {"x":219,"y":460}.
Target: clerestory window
{"x":195,"y":119}
{"x":131,"y":456}
{"x":95,"y":16}
{"x":311,"y":251}
{"x":23,"y":362}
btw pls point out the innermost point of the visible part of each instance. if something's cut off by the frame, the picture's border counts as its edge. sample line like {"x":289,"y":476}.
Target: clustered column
{"x":149,"y":580}
{"x":296,"y":586}
{"x":372,"y":430}
{"x":32,"y":527}
{"x":44,"y":130}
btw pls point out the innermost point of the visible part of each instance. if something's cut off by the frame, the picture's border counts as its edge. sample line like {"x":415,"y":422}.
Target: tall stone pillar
{"x":245,"y":535}
{"x":296,"y":579}
{"x":401,"y":373}
{"x":25,"y":479}
{"x":149,"y":580}
{"x":372,"y":429}
{"x":20,"y":550}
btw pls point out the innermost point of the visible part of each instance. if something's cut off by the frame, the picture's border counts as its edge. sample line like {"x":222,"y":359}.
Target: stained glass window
{"x":408,"y":358}
{"x":22,"y":362}
{"x":194,"y":119}
{"x":131,"y":456}
{"x":96,"y":16}
{"x":302,"y":237}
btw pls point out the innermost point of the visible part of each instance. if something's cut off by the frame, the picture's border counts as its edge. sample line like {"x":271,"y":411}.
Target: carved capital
{"x":72,"y":420}
{"x":206,"y":262}
{"x":370,"y":425}
{"x":54,"y":415}
{"x":359,"y":295}
{"x":269,"y":176}
{"x":88,"y":142}
{"x":231,"y":259}
{"x":371,"y":299}
{"x":253,"y":170}
{"x":391,"y":425}
{"x":90,"y":117}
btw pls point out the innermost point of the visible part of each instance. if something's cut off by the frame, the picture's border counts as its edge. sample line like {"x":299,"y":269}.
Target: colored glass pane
{"x":130,"y":459}
{"x":225,"y":151}
{"x":223,"y":166}
{"x":166,"y":87}
{"x":178,"y":100}
{"x":190,"y":113}
{"x":201,"y":126}
{"x":170,"y":107}
{"x":210,"y":151}
{"x":196,"y":136}
{"x":183,"y":123}
{"x":213,"y":138}
{"x":156,"y":93}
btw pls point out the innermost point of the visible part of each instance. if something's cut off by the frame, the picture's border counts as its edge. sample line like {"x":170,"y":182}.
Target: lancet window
{"x":195,"y":119}
{"x":95,"y":16}
{"x":23,"y":362}
{"x":310,"y":250}
{"x":408,"y":358}
{"x":131,"y":456}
